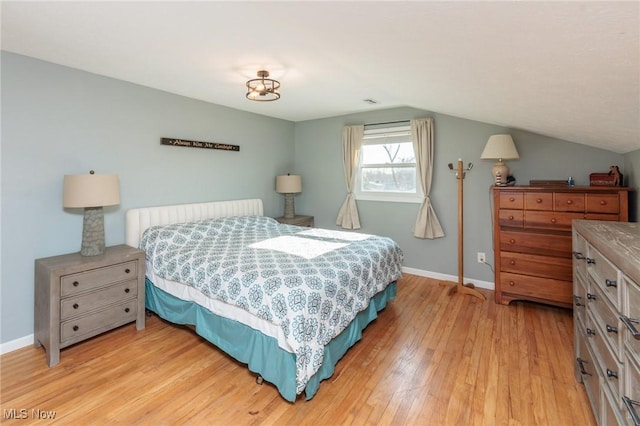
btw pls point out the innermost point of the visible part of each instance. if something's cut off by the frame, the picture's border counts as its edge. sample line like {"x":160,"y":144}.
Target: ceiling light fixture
{"x":263,"y":89}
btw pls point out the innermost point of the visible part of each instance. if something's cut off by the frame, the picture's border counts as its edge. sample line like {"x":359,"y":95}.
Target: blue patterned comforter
{"x":308,"y":281}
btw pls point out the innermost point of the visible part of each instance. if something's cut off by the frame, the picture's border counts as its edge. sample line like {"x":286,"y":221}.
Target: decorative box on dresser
{"x":532,"y":237}
{"x":606,"y":280}
{"x":299,"y":220}
{"x":77,"y":297}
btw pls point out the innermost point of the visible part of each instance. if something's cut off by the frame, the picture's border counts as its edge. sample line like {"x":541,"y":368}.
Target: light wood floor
{"x":429,"y":359}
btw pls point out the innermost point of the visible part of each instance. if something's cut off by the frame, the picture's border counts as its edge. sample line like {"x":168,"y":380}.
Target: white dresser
{"x":606,"y":299}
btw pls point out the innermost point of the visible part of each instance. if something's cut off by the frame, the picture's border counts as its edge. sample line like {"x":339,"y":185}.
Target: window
{"x":387,"y":168}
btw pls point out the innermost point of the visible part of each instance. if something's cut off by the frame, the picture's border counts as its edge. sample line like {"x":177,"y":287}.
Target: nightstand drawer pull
{"x":610,"y":283}
{"x":126,"y":290}
{"x":126,"y":271}
{"x":611,"y":373}
{"x":76,"y":328}
{"x":127,"y":309}
{"x":629,"y":403}
{"x":632,"y":329}
{"x":612,"y":329}
{"x":76,"y":283}
{"x":76,"y":306}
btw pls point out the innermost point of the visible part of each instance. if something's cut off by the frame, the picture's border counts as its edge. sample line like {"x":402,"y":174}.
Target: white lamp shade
{"x":90,"y":190}
{"x":500,"y":147}
{"x":288,"y":184}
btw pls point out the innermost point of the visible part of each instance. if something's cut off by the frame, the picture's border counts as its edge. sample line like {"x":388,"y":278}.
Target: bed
{"x":287,"y":301}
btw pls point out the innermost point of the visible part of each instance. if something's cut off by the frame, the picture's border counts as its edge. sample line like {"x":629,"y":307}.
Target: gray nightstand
{"x":77,"y":297}
{"x":299,"y":220}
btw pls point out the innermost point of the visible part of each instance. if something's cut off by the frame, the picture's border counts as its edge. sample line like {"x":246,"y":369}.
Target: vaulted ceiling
{"x":568,"y":70}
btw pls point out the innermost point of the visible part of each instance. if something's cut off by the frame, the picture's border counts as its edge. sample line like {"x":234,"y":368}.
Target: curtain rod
{"x":388,"y":122}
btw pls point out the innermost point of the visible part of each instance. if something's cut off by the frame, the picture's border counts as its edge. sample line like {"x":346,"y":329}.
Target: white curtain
{"x":351,"y":145}
{"x":427,"y":224}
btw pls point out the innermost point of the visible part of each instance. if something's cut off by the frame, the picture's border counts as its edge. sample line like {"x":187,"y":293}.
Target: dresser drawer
{"x":85,"y":281}
{"x":631,"y":389}
{"x":611,"y":414}
{"x":567,"y":202}
{"x":612,"y":370}
{"x":536,"y":243}
{"x":550,"y":220}
{"x":603,"y":203}
{"x":511,"y":200}
{"x":536,"y":287}
{"x":538,"y":201}
{"x":511,"y":218}
{"x":605,"y":275}
{"x":82,"y":327}
{"x":631,"y":313}
{"x":588,"y":373}
{"x":605,"y":319}
{"x":87,"y":302}
{"x":558,"y":268}
{"x":579,"y":298}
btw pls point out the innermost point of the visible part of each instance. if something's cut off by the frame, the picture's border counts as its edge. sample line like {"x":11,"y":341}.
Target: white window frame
{"x":381,"y":136}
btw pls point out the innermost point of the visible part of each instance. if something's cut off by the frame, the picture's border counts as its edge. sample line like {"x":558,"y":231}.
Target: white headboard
{"x":138,"y":220}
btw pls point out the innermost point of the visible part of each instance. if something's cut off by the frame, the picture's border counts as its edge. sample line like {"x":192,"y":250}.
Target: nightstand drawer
{"x":79,"y":305}
{"x":85,"y":281}
{"x":90,"y":325}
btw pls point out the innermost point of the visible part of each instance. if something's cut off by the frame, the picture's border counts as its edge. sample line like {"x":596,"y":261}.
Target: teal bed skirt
{"x":260,"y":352}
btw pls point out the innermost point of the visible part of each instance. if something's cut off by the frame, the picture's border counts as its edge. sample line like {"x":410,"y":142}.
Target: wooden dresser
{"x":532,"y":237}
{"x":606,"y":285}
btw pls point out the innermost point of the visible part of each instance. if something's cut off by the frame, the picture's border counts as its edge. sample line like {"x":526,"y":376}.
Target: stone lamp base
{"x":92,"y":232}
{"x":289,"y":208}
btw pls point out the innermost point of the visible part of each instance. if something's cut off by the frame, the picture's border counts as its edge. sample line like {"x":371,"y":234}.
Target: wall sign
{"x":197,"y":144}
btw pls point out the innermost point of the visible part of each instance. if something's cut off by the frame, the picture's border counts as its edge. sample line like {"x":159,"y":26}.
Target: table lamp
{"x":91,"y":192}
{"x":289,"y":185}
{"x":500,"y":147}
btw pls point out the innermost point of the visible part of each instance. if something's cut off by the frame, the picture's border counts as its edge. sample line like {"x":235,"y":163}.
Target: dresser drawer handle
{"x":512,"y":199}
{"x":512,"y":283}
{"x":578,"y":255}
{"x":632,"y":329}
{"x":510,"y":217}
{"x":610,"y":283}
{"x":512,"y":241}
{"x":591,"y":261}
{"x":612,"y":329}
{"x":76,"y":328}
{"x":539,"y":200}
{"x":581,"y":363}
{"x":127,"y":309}
{"x":126,"y":290}
{"x":76,"y":306}
{"x":629,"y":403}
{"x":569,"y":201}
{"x":611,"y":373}
{"x":591,"y":332}
{"x":603,"y":203}
{"x":126,"y":271}
{"x":512,"y":262}
{"x":553,"y":220}
{"x":76,"y":283}
{"x":591,"y":296}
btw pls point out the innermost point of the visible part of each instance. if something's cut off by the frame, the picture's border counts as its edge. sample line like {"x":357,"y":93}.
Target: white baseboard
{"x":444,"y":277}
{"x":28,"y":340}
{"x":16,"y":344}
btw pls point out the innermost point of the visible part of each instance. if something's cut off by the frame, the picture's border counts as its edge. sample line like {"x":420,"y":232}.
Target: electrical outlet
{"x":481,"y":257}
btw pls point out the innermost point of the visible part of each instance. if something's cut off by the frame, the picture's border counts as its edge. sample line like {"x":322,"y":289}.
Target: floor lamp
{"x":461,"y":287}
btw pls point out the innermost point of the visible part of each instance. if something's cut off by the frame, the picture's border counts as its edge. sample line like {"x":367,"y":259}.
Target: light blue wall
{"x":632,"y":178}
{"x":57,"y":120}
{"x":318,"y":160}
